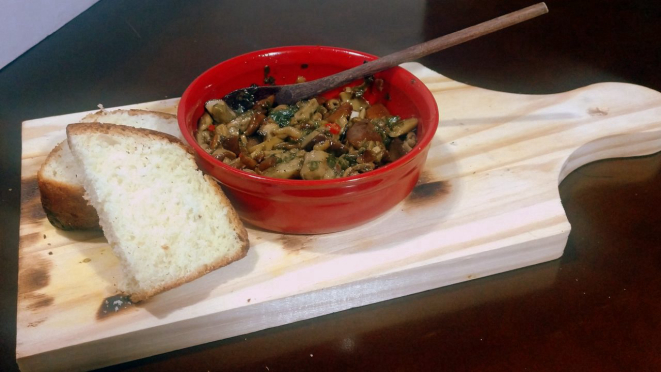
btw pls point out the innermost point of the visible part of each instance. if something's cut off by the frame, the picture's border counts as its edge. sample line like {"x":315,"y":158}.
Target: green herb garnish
{"x":282,"y":117}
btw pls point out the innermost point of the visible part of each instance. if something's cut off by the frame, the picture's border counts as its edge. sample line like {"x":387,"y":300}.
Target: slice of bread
{"x":60,"y":182}
{"x":166,"y":221}
{"x":61,"y":189}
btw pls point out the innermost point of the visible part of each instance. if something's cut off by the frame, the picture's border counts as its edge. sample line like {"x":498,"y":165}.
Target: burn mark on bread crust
{"x":113,"y":305}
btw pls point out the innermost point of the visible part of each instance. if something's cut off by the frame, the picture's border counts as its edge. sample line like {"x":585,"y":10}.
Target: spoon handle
{"x":296,"y":92}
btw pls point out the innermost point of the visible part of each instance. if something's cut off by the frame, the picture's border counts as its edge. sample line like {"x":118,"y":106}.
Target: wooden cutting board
{"x":487,"y":202}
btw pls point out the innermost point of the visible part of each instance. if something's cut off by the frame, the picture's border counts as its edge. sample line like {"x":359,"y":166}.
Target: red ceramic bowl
{"x":304,"y":206}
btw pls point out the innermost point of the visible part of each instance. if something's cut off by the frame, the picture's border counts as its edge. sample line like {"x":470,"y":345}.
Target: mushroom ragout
{"x":313,"y":139}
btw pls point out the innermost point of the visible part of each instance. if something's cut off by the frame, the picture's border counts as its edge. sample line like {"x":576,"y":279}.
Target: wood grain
{"x":487,"y":202}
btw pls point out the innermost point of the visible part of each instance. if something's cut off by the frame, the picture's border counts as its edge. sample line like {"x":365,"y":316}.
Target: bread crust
{"x":92,"y":127}
{"x":234,"y":219}
{"x":95,"y":116}
{"x":64,"y":204}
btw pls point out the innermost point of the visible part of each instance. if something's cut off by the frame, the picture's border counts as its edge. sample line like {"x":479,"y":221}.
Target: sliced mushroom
{"x":361,"y":131}
{"x":358,"y":104}
{"x":267,"y":163}
{"x":289,"y":169}
{"x":220,"y":111}
{"x":346,"y":96}
{"x":255,"y":123}
{"x":242,"y":121}
{"x":231,"y":143}
{"x":204,"y":122}
{"x":264,"y":104}
{"x":203,"y":137}
{"x":215,"y":141}
{"x":309,"y":144}
{"x":396,"y":149}
{"x":288,"y":132}
{"x":266,"y":145}
{"x":286,"y":146}
{"x":377,"y":111}
{"x":366,"y":157}
{"x":343,"y":111}
{"x":411,"y":139}
{"x":306,"y":110}
{"x":337,"y":147}
{"x":222,"y":154}
{"x":321,"y":146}
{"x":267,"y":128}
{"x":247,"y":161}
{"x":403,"y":127}
{"x":315,"y":166}
{"x":222,"y":130}
{"x":252,"y":142}
{"x":306,"y":140}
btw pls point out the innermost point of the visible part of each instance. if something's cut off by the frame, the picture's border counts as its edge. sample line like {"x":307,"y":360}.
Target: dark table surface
{"x":601,"y":311}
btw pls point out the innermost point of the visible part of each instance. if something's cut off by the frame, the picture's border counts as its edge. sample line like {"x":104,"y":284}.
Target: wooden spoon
{"x":289,"y":94}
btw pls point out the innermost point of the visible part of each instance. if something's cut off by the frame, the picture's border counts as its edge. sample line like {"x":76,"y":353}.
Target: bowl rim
{"x":363,"y":177}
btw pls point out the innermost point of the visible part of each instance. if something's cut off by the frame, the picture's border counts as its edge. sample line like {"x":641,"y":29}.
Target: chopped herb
{"x":359,"y":91}
{"x":344,"y":164}
{"x":331,"y":160}
{"x":392,"y":121}
{"x":313,"y":165}
{"x":382,"y":132}
{"x":282,"y":117}
{"x":351,"y":159}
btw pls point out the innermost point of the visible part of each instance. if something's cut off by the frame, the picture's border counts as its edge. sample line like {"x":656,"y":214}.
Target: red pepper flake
{"x":334,"y":128}
{"x":212,"y":127}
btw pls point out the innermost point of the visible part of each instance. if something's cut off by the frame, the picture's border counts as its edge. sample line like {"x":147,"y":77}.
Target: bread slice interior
{"x":166,"y":221}
{"x":61,"y":182}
